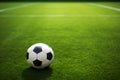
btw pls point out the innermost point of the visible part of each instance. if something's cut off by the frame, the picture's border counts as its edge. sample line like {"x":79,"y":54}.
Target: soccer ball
{"x":40,"y":55}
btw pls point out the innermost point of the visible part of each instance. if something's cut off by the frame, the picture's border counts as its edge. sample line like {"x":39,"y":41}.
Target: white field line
{"x":15,"y":7}
{"x":107,"y":7}
{"x":60,"y":15}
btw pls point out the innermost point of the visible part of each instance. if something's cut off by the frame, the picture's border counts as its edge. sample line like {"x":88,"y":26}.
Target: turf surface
{"x":86,"y":46}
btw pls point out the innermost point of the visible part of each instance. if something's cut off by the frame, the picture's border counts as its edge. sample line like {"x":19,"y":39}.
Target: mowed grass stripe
{"x":4,"y":5}
{"x":61,"y":8}
{"x":15,"y":7}
{"x":62,"y":15}
{"x":112,"y":4}
{"x":105,"y":6}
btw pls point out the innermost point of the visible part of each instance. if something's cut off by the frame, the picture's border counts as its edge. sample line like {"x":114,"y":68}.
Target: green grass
{"x":112,"y":4}
{"x":85,"y":48}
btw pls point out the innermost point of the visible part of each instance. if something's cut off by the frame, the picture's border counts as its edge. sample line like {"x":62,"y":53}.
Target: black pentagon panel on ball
{"x":27,"y":55}
{"x":49,"y":56}
{"x":37,"y":49}
{"x":37,"y":62}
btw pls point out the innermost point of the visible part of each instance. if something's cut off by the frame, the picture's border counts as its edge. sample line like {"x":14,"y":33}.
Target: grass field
{"x":85,"y":38}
